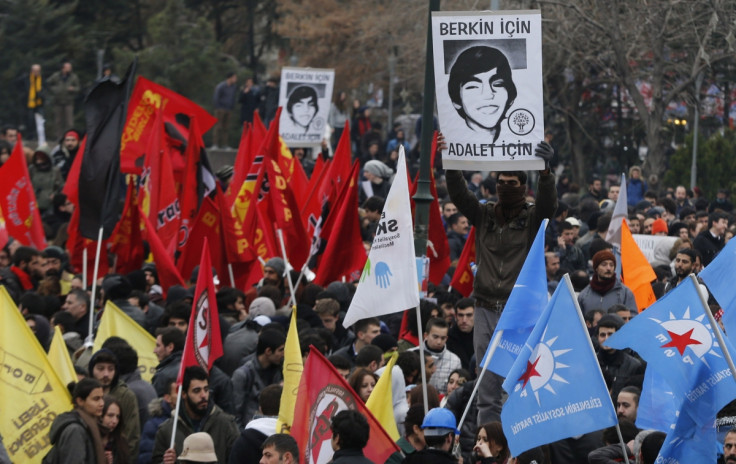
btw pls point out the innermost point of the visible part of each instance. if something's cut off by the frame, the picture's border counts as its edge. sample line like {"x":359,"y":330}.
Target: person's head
{"x":634,"y":224}
{"x":112,"y":414}
{"x":459,"y":223}
{"x":552,"y":262}
{"x":627,"y":403}
{"x":492,"y":433}
{"x":684,"y":262}
{"x":273,"y":271}
{"x":126,"y":355}
{"x":651,"y":445}
{"x":729,"y":447}
{"x":230,"y":300}
{"x":613,"y":192}
{"x":71,"y":140}
{"x":11,"y":135}
{"x":302,"y":105}
{"x":567,"y":232}
{"x":465,"y":314}
{"x":435,"y":334}
{"x":76,"y":303}
{"x":457,"y":379}
{"x":29,"y":260}
{"x":341,"y":364}
{"x":280,"y":448}
{"x":621,"y":311}
{"x":718,"y":223}
{"x":231,"y":78}
{"x":592,"y":317}
{"x":87,"y":395}
{"x":448,"y":209}
{"x":328,"y":310}
{"x":195,"y":391}
{"x":659,"y":227}
{"x":440,"y":428}
{"x":168,"y":340}
{"x":604,"y":265}
{"x":481,"y":87}
{"x":270,"y":348}
{"x":366,"y":330}
{"x":5,"y":149}
{"x":607,"y":326}
{"x":635,"y":172}
{"x":373,"y":207}
{"x":103,"y":366}
{"x":680,"y":193}
{"x":646,"y":227}
{"x":177,"y":315}
{"x":350,"y":430}
{"x":269,"y":400}
{"x":370,"y":357}
{"x":413,"y":426}
{"x":363,"y":381}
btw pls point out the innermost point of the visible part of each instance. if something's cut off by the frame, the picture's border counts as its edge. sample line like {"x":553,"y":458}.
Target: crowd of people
{"x":229,"y":414}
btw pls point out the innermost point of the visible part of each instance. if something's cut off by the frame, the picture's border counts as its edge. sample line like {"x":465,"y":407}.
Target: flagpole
{"x":494,"y":344}
{"x":90,"y":336}
{"x":623,"y":445}
{"x":84,"y":268}
{"x":232,"y":276}
{"x":176,"y":416}
{"x":292,"y":299}
{"x":422,"y":361}
{"x":714,"y":326}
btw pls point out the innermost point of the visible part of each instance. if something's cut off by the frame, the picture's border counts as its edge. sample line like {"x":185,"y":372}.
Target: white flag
{"x":620,"y":212}
{"x":389,"y":281}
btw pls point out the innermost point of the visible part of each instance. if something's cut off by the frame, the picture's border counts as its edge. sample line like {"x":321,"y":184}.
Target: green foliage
{"x":716,"y":164}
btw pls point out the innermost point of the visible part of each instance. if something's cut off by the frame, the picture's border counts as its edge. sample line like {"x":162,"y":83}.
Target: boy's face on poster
{"x":484,"y":99}
{"x":304,"y":110}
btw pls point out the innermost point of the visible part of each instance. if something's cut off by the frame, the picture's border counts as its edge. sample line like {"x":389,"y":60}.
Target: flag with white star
{"x":675,"y":337}
{"x":556,"y":389}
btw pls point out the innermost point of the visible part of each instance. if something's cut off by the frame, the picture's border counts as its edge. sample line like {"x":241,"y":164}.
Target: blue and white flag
{"x":689,"y":442}
{"x":658,"y":406}
{"x":675,"y":338}
{"x":526,"y":303}
{"x":718,"y":276}
{"x":556,"y":389}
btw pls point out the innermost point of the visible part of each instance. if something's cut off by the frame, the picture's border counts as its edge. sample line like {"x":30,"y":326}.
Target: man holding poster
{"x":488,"y":76}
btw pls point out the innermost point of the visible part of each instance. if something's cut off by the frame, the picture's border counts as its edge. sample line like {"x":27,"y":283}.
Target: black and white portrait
{"x":305,"y":100}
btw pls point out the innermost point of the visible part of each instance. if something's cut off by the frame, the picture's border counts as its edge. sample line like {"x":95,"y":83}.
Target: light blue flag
{"x":718,"y":276}
{"x":523,"y":308}
{"x":657,"y":405}
{"x":674,"y":336}
{"x":689,"y":442}
{"x":556,"y":389}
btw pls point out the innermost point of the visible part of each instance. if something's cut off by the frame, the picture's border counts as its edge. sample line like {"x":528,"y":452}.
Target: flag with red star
{"x":555,"y":386}
{"x":675,"y":337}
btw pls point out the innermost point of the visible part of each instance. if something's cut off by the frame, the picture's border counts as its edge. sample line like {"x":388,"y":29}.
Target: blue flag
{"x":556,"y":389}
{"x":718,"y":276}
{"x":689,"y":442}
{"x":674,"y":337}
{"x":526,"y":303}
{"x":657,"y":405}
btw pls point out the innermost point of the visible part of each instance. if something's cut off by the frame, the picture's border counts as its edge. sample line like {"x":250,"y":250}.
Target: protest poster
{"x":305,"y":97}
{"x":488,"y":81}
{"x":656,"y":248}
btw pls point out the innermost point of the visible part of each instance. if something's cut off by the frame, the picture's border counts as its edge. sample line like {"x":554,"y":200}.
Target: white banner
{"x":656,"y":248}
{"x":488,"y":81}
{"x":305,"y":97}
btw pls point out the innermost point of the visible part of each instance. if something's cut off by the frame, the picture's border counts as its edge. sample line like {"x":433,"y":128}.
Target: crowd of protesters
{"x":119,"y":417}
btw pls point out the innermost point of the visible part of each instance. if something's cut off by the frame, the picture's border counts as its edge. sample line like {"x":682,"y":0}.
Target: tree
{"x":716,"y":163}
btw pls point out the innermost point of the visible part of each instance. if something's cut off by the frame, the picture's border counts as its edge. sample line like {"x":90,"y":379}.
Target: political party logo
{"x":22,"y":375}
{"x":681,"y":334}
{"x":330,"y":400}
{"x":541,"y":371}
{"x":521,"y":121}
{"x":202,"y":328}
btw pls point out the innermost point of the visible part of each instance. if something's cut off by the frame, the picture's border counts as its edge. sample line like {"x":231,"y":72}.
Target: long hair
{"x":116,"y":442}
{"x":494,"y":432}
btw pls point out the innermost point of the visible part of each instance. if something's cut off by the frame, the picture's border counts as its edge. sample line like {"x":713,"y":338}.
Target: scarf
{"x":23,"y":277}
{"x":510,"y":202}
{"x":94,"y":431}
{"x":34,"y":91}
{"x":602,"y":286}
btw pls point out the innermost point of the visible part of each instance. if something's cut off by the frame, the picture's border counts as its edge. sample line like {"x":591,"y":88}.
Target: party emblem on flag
{"x":202,"y":330}
{"x":686,"y":332}
{"x":540,"y":373}
{"x":330,"y":400}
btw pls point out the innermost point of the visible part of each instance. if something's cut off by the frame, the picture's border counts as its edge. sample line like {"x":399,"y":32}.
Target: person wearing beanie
{"x":659,"y":227}
{"x":243,"y":337}
{"x":274,"y":272}
{"x":605,"y":289}
{"x":615,"y":364}
{"x":63,"y":155}
{"x":380,"y":176}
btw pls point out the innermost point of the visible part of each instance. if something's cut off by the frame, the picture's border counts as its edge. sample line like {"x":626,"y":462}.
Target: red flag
{"x":18,"y":201}
{"x":463,"y":279}
{"x":294,"y":173}
{"x":253,"y":136}
{"x":336,"y":174}
{"x":188,"y":191}
{"x":167,"y":272}
{"x":323,"y":392}
{"x":344,"y":254}
{"x":157,"y":193}
{"x":126,"y":239}
{"x":205,"y":229}
{"x":147,"y":99}
{"x":71,"y":187}
{"x":204,"y":342}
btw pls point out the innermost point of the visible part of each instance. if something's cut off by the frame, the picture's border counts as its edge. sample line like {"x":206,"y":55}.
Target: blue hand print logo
{"x":383,"y":274}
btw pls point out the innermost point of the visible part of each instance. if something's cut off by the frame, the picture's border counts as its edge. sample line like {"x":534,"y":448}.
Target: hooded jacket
{"x":71,"y":439}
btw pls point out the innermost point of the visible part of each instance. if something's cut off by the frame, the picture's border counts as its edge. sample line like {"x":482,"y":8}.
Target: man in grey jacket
{"x":605,"y":289}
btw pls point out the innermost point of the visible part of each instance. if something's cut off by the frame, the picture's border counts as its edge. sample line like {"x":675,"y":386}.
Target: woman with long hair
{"x":491,"y":446}
{"x":363,"y":382}
{"x":111,"y":430}
{"x":75,"y":435}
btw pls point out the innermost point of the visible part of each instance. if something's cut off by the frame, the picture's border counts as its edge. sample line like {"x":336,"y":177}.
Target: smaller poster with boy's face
{"x":305,"y":97}
{"x":488,"y":81}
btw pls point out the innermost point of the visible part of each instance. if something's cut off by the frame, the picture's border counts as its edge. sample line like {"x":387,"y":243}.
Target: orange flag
{"x":636,"y":272}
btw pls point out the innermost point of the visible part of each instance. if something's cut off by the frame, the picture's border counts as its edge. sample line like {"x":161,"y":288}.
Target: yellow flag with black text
{"x":31,"y":394}
{"x":381,"y":403}
{"x":60,"y":359}
{"x":292,"y":371}
{"x":116,"y":323}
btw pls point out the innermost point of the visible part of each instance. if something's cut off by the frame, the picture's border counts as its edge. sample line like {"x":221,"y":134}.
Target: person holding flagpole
{"x":505,"y":231}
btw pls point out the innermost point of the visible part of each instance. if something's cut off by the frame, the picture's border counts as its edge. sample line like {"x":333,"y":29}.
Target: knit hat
{"x":277,"y":264}
{"x":261,"y":306}
{"x":659,"y":225}
{"x":603,"y":255}
{"x":608,"y":320}
{"x":379,"y":169}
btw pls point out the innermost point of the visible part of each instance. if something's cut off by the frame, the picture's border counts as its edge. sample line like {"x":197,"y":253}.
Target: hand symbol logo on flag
{"x":540,"y":373}
{"x":383,"y":274}
{"x":680,"y":334}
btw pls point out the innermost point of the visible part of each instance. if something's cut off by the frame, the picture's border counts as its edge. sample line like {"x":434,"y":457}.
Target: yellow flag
{"x":31,"y":394}
{"x":293,"y":368}
{"x":116,"y":323}
{"x":60,"y":360}
{"x":381,"y":403}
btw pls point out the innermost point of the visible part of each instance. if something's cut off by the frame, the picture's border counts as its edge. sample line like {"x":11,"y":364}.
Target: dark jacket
{"x":708,"y":246}
{"x":72,"y":440}
{"x":430,"y":456}
{"x":144,"y":393}
{"x":248,"y":381}
{"x":350,"y":456}
{"x":622,"y":368}
{"x":501,"y":249}
{"x":159,"y":412}
{"x":247,"y":448}
{"x":456,"y":403}
{"x":166,"y":372}
{"x":461,"y":344}
{"x":63,"y":88}
{"x":457,"y":243}
{"x":218,"y":424}
{"x":129,"y":411}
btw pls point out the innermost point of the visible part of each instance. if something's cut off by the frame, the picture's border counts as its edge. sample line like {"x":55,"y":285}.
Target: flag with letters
{"x":556,"y":389}
{"x":674,"y":337}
